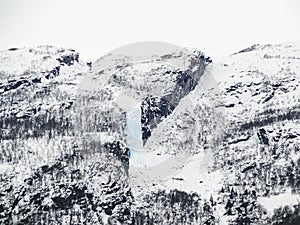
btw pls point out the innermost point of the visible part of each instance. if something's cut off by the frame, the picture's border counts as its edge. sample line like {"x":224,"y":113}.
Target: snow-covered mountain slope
{"x":63,"y":149}
{"x":156,"y":85}
{"x":48,"y":174}
{"x":253,"y":115}
{"x":169,"y":138}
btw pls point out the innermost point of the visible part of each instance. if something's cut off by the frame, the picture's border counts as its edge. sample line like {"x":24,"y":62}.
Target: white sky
{"x":94,"y":27}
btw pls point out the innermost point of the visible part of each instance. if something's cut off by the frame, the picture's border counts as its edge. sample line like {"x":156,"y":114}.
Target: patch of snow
{"x":281,"y":200}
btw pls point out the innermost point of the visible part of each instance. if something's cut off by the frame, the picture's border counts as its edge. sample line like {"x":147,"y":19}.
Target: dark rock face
{"x":13,"y":49}
{"x":53,"y":73}
{"x":262,"y":135}
{"x":13,"y":84}
{"x":68,"y":59}
{"x":155,"y":109}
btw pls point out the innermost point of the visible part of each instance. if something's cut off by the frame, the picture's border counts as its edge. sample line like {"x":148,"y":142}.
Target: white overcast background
{"x":94,"y":27}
